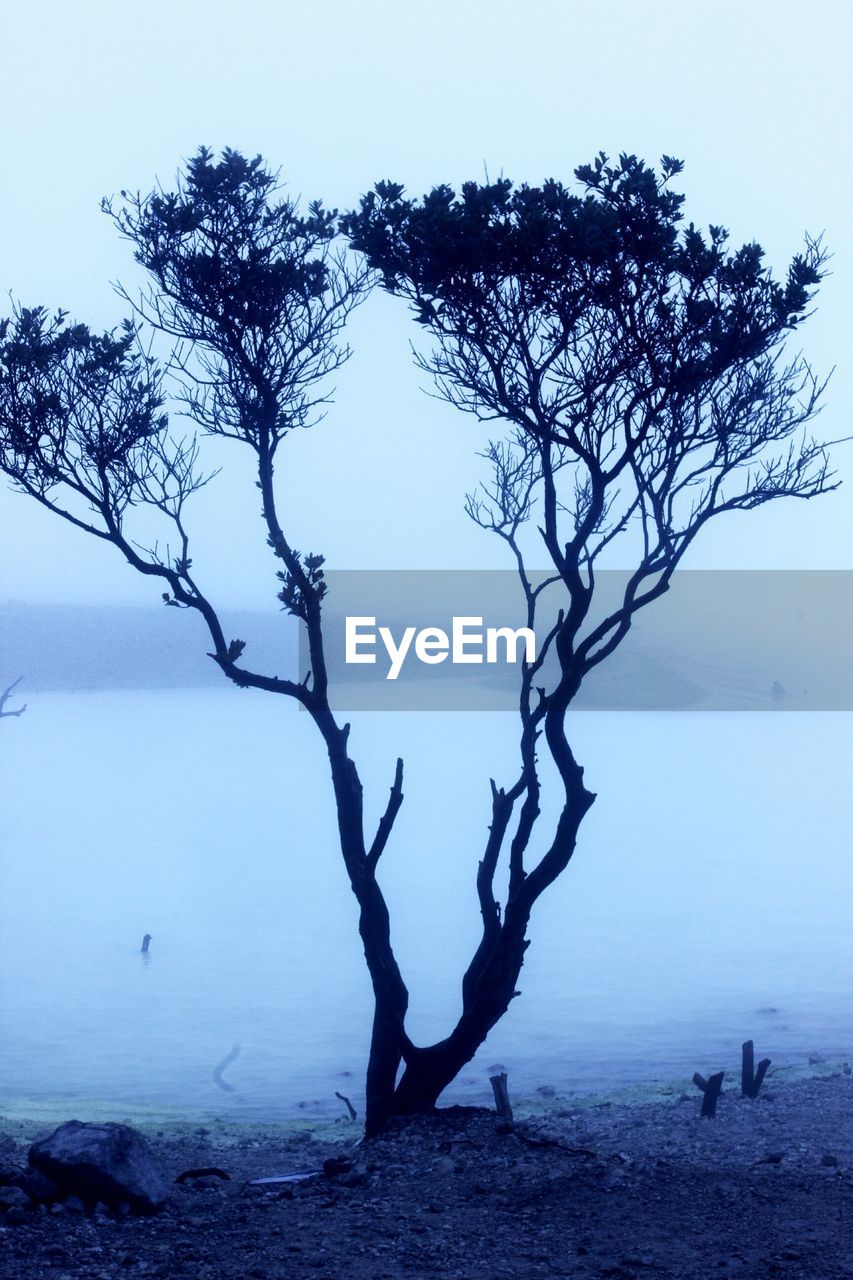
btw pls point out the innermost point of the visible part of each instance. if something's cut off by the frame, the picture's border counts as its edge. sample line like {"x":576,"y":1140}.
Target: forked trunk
{"x":428,"y":1071}
{"x":487,"y":990}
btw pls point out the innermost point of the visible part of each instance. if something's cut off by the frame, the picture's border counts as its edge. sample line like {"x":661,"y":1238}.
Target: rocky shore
{"x":596,"y":1188}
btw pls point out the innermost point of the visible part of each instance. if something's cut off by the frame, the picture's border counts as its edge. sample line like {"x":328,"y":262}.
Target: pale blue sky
{"x":99,"y":96}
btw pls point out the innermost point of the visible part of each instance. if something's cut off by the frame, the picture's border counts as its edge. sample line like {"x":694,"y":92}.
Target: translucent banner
{"x":715,"y":641}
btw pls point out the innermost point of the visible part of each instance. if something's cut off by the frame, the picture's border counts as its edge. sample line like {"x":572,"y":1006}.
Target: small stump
{"x":502,"y":1103}
{"x":711,"y":1089}
{"x":751,"y":1078}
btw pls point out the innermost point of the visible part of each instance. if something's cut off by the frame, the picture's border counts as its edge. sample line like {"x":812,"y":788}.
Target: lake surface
{"x":709,"y":900}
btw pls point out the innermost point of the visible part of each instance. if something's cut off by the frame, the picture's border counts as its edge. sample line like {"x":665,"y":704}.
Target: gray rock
{"x":14,"y":1198}
{"x":107,"y":1162}
{"x":38,"y":1186}
{"x":15,"y":1217}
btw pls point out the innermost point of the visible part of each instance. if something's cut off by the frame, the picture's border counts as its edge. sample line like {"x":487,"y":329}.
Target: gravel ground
{"x":606,"y":1188}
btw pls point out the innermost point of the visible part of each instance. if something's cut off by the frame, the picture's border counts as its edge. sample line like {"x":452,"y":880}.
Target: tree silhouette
{"x":636,"y":364}
{"x":637,"y":368}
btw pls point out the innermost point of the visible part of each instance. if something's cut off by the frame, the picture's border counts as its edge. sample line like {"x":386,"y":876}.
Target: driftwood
{"x":751,"y":1078}
{"x":276,"y":1178}
{"x":502,"y":1103}
{"x":331,"y":1167}
{"x":538,"y":1140}
{"x":711,"y":1089}
{"x":210,"y":1172}
{"x":353,"y":1114}
{"x":220,"y":1067}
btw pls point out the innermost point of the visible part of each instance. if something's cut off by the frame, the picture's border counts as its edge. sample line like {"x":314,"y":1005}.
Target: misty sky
{"x":100,"y":96}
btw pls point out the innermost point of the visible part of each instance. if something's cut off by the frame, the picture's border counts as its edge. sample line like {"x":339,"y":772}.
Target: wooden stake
{"x":750,"y":1078}
{"x":502,"y":1104}
{"x":711,"y":1089}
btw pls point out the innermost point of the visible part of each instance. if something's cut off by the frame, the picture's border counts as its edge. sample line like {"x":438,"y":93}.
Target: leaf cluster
{"x":636,"y":360}
{"x":304,"y":581}
{"x":539,"y":263}
{"x":79,"y":408}
{"x":253,"y":294}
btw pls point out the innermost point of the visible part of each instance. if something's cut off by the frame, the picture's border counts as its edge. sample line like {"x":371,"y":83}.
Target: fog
{"x":97,"y":99}
{"x":713,"y":876}
{"x":709,"y":901}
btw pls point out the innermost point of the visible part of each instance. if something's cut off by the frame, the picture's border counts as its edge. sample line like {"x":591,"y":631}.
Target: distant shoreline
{"x":90,"y":648}
{"x":53,"y":1108}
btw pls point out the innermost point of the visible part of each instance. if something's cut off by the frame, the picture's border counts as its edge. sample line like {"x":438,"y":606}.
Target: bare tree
{"x":6,"y":695}
{"x":638,"y":371}
{"x":636,"y":365}
{"x":253,"y":298}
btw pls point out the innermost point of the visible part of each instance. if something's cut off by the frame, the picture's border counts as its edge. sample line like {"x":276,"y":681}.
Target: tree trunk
{"x":489,"y":984}
{"x":391,"y":999}
{"x":429,"y":1070}
{"x":487,"y":991}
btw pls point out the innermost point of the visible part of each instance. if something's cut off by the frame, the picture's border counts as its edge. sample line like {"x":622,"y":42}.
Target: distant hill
{"x":76,"y":647}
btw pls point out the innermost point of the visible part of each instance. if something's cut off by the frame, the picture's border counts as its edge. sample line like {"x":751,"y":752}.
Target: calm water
{"x":713,"y":880}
